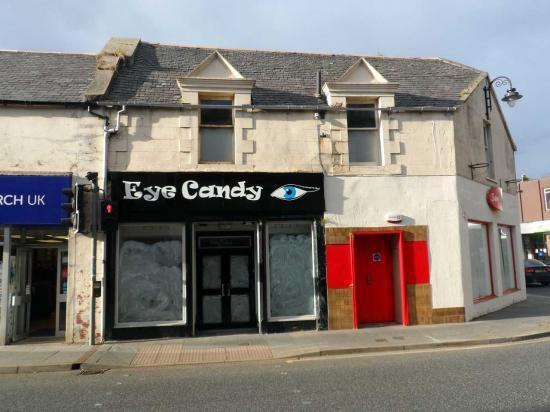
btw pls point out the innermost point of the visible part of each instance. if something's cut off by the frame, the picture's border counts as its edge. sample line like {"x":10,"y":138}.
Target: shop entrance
{"x":39,"y":292}
{"x":225,"y":280}
{"x":374,"y":279}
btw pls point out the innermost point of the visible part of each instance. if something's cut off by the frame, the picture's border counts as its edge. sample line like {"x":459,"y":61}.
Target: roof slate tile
{"x":285,"y":77}
{"x":45,"y":77}
{"x":282,"y":78}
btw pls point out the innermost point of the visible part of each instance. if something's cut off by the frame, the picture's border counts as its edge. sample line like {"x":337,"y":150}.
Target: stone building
{"x":251,"y":190}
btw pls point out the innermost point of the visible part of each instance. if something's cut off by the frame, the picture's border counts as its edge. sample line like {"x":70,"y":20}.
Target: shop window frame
{"x":492,"y":294}
{"x":512,"y":237}
{"x":546,"y":202}
{"x":315,"y":272}
{"x":182,"y":322}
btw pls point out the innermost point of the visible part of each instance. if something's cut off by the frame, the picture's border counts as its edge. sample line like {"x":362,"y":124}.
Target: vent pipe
{"x":318,"y":91}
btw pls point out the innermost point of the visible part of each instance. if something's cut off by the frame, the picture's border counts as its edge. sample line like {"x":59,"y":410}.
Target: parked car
{"x":537,"y":271}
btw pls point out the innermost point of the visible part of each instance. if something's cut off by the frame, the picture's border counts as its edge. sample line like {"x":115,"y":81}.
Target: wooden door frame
{"x":404,"y":306}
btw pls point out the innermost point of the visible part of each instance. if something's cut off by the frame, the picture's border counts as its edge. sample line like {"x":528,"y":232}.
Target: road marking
{"x":432,"y":338}
{"x":537,"y":296}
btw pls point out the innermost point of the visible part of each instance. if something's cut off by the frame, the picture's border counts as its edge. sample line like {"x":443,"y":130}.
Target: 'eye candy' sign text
{"x":190,"y":189}
{"x":172,"y":196}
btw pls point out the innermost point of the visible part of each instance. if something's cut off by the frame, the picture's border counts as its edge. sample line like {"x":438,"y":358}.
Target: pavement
{"x":523,"y":321}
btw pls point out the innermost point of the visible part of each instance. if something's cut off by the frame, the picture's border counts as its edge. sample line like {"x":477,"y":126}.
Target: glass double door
{"x":225,"y":282}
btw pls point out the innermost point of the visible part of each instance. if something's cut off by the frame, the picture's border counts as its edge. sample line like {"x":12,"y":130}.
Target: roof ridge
{"x":47,"y":52}
{"x":378,"y":56}
{"x":462,"y":65}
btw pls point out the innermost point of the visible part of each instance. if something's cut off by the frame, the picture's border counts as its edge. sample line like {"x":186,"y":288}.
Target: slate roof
{"x":282,"y":78}
{"x":45,"y":77}
{"x":286,"y":77}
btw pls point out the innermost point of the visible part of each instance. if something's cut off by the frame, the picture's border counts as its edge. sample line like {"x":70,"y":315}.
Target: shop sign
{"x":170,"y":195}
{"x":494,"y":198}
{"x":33,"y":200}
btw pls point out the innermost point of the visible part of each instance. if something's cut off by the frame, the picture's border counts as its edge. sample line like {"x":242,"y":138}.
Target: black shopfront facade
{"x":197,"y":253}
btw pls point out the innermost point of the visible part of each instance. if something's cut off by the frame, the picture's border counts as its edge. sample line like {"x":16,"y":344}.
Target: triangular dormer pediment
{"x":215,"y":66}
{"x":214,"y":75}
{"x":360,"y":80}
{"x":361,"y":72}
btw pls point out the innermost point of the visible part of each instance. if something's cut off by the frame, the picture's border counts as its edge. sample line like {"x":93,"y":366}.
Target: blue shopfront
{"x":34,"y":266}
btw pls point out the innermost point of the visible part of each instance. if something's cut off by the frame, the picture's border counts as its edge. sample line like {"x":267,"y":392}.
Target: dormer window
{"x":217,"y":86}
{"x":365,"y":93}
{"x":363,"y":134}
{"x":216,"y":131}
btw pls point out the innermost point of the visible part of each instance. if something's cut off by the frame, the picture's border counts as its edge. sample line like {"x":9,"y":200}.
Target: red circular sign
{"x":494,"y":198}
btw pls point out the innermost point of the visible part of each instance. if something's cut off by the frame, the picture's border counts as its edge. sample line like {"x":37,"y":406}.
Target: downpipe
{"x":107,"y":133}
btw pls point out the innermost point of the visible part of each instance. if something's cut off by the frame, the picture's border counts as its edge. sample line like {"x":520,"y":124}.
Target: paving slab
{"x":522,"y":321}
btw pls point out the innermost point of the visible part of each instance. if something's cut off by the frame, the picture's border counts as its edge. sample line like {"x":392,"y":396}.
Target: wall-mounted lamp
{"x":511,"y":96}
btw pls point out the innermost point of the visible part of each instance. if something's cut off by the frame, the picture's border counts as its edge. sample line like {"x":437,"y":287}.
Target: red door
{"x":374,"y":279}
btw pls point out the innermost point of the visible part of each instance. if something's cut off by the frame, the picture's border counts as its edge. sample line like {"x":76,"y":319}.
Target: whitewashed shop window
{"x":150,"y":278}
{"x":482,"y":284}
{"x":291,"y":271}
{"x":363,"y":134}
{"x":507,"y":258}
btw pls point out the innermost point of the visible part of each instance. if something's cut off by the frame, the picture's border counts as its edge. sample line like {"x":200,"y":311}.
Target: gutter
{"x":250,"y":107}
{"x":4,"y":102}
{"x":284,"y":107}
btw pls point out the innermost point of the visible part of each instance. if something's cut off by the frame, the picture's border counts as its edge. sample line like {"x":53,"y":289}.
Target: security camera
{"x":316,"y":115}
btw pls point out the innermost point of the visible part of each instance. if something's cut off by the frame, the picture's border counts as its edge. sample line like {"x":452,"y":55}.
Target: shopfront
{"x":35,"y":256}
{"x":198,"y":253}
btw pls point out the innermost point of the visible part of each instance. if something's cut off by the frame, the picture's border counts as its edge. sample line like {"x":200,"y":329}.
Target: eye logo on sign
{"x":291,"y":192}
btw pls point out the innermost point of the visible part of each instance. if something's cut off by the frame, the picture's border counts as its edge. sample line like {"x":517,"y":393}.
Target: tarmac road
{"x":514,"y":377}
{"x":537,"y":290}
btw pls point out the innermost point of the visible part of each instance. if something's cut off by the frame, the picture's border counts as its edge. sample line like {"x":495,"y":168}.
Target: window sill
{"x":365,"y":169}
{"x":510,"y":291}
{"x":485,"y":298}
{"x":365,"y":164}
{"x":490,"y":179}
{"x":291,"y":318}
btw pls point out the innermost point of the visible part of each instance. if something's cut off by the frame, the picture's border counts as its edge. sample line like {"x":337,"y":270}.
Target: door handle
{"x":226,"y":289}
{"x":369,"y":279}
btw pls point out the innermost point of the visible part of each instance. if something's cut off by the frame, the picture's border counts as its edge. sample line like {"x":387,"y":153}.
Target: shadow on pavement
{"x":537,"y":304}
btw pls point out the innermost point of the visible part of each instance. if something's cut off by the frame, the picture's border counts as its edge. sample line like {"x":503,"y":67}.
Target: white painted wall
{"x":444,"y":204}
{"x":422,"y":200}
{"x":473,"y":206}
